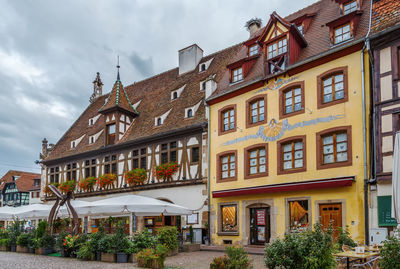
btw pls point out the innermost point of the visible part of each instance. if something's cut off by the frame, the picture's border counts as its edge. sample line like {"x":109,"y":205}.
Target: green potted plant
{"x":85,"y":252}
{"x":136,"y":176}
{"x":390,"y":253}
{"x":23,"y":240}
{"x":95,"y":242}
{"x":15,"y":230}
{"x":46,"y":244}
{"x":152,"y":258}
{"x":5,"y":244}
{"x":168,"y":236}
{"x":33,"y":245}
{"x":107,"y":250}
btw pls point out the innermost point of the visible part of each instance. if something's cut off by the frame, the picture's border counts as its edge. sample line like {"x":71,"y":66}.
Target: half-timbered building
{"x":155,"y":121}
{"x":385,"y":52}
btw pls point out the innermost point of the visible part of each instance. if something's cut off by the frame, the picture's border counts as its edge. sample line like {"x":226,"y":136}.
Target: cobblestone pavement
{"x":193,"y":260}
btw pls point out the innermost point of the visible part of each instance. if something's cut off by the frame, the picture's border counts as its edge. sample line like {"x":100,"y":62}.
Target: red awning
{"x":294,"y":186}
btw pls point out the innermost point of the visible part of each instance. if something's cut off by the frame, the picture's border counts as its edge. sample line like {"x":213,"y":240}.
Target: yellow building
{"x":287,"y":147}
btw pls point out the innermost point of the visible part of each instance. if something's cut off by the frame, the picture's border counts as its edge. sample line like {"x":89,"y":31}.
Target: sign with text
{"x":261,"y":217}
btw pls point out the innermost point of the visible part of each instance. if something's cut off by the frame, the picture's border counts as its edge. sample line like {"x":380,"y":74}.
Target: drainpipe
{"x":208,"y":174}
{"x":366,"y":208}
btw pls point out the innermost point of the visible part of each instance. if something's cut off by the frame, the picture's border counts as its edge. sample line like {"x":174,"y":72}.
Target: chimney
{"x":44,"y":147}
{"x":253,"y":25}
{"x":189,"y":58}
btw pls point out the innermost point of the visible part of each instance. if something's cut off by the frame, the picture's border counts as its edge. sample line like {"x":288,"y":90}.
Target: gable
{"x":276,"y":30}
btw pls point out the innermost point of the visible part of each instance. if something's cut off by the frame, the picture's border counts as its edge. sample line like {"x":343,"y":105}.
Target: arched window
{"x":203,"y":67}
{"x":174,"y":95}
{"x":159,"y":121}
{"x":190,"y":113}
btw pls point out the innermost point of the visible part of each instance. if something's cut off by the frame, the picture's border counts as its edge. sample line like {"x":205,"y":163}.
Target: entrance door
{"x":331,"y":214}
{"x":259,"y":226}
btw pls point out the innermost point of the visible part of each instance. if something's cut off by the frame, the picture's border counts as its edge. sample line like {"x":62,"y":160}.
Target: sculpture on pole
{"x":63,"y":199}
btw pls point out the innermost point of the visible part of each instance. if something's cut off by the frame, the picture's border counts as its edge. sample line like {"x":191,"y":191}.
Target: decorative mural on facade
{"x":275,"y":130}
{"x":275,"y":85}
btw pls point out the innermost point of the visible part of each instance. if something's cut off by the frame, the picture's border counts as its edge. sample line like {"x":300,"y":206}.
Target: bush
{"x":146,"y":256}
{"x":236,"y":258}
{"x":15,"y":230}
{"x":220,"y":262}
{"x":46,"y":241}
{"x":41,"y":229}
{"x":143,"y":240}
{"x":85,"y":252}
{"x":168,"y":236}
{"x":105,"y":244}
{"x":390,"y":253}
{"x":25,"y":239}
{"x":5,"y":242}
{"x":4,"y":234}
{"x":60,"y":240}
{"x":344,"y":238}
{"x":95,"y":239}
{"x":307,"y":249}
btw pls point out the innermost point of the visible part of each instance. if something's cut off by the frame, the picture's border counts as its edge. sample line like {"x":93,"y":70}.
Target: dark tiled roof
{"x":385,"y":14}
{"x":316,"y":36}
{"x":25,"y":184}
{"x":154,"y":95}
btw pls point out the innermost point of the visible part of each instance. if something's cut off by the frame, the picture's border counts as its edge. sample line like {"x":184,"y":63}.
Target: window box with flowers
{"x":165,"y":171}
{"x":106,"y":181}
{"x":87,"y":184}
{"x":67,"y":186}
{"x":136,"y":176}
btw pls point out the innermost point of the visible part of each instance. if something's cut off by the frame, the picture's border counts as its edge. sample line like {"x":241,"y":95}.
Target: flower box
{"x":108,"y":257}
{"x":22,"y":249}
{"x":106,"y":181}
{"x":152,"y":263}
{"x":87,"y":184}
{"x":165,"y":171}
{"x":67,"y":186}
{"x":136,"y":176}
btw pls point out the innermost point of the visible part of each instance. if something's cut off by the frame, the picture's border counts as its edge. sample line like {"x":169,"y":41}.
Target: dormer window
{"x":202,"y":67}
{"x":190,"y":113}
{"x":237,"y":74}
{"x":91,"y":140}
{"x":203,"y":86}
{"x":174,"y":95}
{"x":277,"y":48}
{"x":253,"y":50}
{"x":301,"y":29}
{"x":110,"y":134}
{"x":342,"y":33}
{"x":349,"y":7}
{"x":91,"y":122}
{"x":159,"y":122}
{"x":73,"y":144}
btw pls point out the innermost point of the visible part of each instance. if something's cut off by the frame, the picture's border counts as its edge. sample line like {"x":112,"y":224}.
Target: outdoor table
{"x":373,"y":249}
{"x":353,"y":254}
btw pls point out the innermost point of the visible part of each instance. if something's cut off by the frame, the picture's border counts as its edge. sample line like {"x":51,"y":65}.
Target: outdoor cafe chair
{"x":372,"y":264}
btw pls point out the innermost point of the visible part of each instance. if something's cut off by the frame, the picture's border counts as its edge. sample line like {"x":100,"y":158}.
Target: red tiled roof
{"x":385,"y":14}
{"x":24,"y":182}
{"x":154,"y":95}
{"x":316,"y":36}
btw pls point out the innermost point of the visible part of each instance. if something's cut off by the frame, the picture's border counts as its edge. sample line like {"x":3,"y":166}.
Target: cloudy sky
{"x":51,"y":50}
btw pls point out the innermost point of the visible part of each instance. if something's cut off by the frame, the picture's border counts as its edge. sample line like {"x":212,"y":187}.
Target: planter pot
{"x":13,"y":248}
{"x":22,"y":249}
{"x":4,"y":248}
{"x":191,"y":247}
{"x":98,"y":256}
{"x":172,"y":252}
{"x":108,"y":257}
{"x":132,"y":258}
{"x":38,"y":251}
{"x":64,"y":253}
{"x":46,"y":251}
{"x":72,"y":254}
{"x":150,"y":264}
{"x":122,"y":257}
{"x":31,"y":250}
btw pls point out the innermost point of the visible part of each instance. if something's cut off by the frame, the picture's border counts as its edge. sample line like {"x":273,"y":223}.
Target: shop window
{"x":332,"y":87}
{"x":291,"y":100}
{"x":291,"y":155}
{"x":298,"y":215}
{"x":227,"y":119}
{"x":226,"y":166}
{"x":256,"y":161}
{"x":256,"y":111}
{"x":110,"y":134}
{"x":237,"y":75}
{"x":342,"y":33}
{"x":334,"y":147}
{"x":229,"y":222}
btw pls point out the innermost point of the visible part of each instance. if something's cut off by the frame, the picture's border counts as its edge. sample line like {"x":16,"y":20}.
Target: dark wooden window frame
{"x":250,"y":50}
{"x":319,"y":147}
{"x":219,"y":172}
{"x":233,"y":76}
{"x":113,"y":160}
{"x":169,"y":151}
{"x":349,"y":3}
{"x":276,"y":41}
{"x":282,"y":92}
{"x":280,"y":144}
{"x":191,"y":154}
{"x":54,"y":174}
{"x":139,"y":157}
{"x":71,"y":171}
{"x":247,"y":150}
{"x":221,"y":119}
{"x":320,"y":89}
{"x":108,"y":135}
{"x":91,"y":167}
{"x":248,"y":110}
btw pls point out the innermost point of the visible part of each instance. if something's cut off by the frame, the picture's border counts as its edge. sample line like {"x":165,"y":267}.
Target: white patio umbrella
{"x":33,"y":211}
{"x":396,"y":181}
{"x":139,"y":205}
{"x":81,"y":207}
{"x":7,"y":212}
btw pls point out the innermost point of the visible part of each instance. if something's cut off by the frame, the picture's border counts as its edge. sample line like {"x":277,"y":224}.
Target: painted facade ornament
{"x":276,"y":130}
{"x":275,"y":85}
